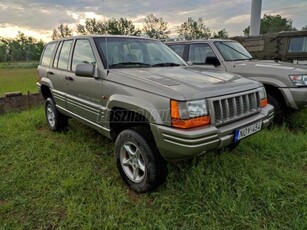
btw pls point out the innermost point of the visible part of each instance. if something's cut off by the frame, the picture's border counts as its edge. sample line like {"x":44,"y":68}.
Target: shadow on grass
{"x":297,"y":121}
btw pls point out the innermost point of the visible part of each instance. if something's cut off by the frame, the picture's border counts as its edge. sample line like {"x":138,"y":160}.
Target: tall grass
{"x":69,"y":181}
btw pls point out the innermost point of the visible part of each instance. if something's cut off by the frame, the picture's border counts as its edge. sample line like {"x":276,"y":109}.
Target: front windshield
{"x":232,"y":51}
{"x":127,"y":52}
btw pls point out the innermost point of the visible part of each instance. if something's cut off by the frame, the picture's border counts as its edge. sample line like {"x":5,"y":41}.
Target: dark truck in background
{"x":290,"y":46}
{"x":285,"y":83}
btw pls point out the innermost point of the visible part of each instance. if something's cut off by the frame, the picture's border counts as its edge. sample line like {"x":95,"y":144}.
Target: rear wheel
{"x":138,"y":160}
{"x":56,"y":121}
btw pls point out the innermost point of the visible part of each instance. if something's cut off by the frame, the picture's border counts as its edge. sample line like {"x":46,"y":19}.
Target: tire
{"x":279,"y":109}
{"x":228,"y":148}
{"x":56,"y":121}
{"x":139,"y":161}
{"x":231,"y":147}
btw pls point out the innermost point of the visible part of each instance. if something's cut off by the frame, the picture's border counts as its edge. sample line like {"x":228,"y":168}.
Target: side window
{"x":83,"y":53}
{"x":56,"y":59}
{"x":46,"y":57}
{"x":179,"y":49}
{"x":199,"y":52}
{"x":298,"y":44}
{"x":64,"y":55}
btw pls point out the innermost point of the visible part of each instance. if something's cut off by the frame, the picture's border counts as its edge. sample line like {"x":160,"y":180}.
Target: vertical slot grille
{"x":231,"y":108}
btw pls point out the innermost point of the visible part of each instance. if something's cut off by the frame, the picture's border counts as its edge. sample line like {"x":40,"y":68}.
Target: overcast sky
{"x":39,"y":17}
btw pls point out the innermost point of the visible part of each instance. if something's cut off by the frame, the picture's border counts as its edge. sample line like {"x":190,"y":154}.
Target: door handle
{"x":50,"y":73}
{"x":69,"y":78}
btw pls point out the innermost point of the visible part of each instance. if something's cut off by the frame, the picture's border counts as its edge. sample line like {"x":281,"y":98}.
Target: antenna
{"x":105,"y":36}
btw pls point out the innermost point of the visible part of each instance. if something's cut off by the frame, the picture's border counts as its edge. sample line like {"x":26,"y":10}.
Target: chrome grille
{"x":227,"y":109}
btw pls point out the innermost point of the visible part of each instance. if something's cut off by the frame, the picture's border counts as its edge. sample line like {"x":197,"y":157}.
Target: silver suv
{"x":141,"y":94}
{"x":285,"y":83}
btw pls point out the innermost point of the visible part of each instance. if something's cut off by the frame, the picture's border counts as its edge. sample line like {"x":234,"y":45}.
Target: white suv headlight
{"x":299,"y":79}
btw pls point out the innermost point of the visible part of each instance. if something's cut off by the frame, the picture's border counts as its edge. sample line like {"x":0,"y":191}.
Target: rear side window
{"x":64,"y":55}
{"x":56,"y":59}
{"x":179,"y":49}
{"x":83,"y":53}
{"x":46,"y":57}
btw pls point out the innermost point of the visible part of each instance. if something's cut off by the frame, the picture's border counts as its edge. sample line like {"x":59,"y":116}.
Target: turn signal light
{"x":263,"y":103}
{"x":191,"y":123}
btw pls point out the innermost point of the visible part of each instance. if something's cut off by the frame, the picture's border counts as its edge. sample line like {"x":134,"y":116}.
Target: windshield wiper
{"x":165,"y":64}
{"x":242,"y":59}
{"x":248,"y":57}
{"x":129,"y":64}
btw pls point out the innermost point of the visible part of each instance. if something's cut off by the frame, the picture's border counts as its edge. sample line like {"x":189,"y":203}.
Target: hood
{"x":265,"y":68}
{"x":188,"y":82}
{"x":266,"y":65}
{"x":267,"y":71}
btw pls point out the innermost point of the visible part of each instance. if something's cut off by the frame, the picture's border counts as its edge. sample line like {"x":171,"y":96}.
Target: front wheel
{"x":232,"y":146}
{"x":279,"y":109}
{"x":138,"y":161}
{"x":56,"y":121}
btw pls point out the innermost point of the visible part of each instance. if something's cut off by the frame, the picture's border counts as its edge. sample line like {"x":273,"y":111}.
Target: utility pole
{"x":255,"y":17}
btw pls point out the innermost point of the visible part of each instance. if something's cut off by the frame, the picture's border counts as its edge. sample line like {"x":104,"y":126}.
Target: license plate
{"x":247,"y":131}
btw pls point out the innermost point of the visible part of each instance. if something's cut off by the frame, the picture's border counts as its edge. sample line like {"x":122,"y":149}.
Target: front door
{"x":84,"y":93}
{"x":198,"y":54}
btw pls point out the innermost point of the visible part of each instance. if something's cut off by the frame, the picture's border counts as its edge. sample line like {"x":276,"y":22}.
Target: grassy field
{"x":69,"y":181}
{"x":18,"y":79}
{"x":22,"y":64}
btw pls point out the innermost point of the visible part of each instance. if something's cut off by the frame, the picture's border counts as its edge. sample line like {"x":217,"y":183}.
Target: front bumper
{"x":295,"y":97}
{"x":175,"y":144}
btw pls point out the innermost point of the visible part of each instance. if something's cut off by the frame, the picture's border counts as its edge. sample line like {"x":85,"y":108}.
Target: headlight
{"x":197,"y":108}
{"x":263,"y":97}
{"x":299,"y":80}
{"x":189,"y":114}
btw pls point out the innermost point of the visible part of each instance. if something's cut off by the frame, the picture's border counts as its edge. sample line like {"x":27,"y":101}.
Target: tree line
{"x":153,"y":27}
{"x":20,"y":48}
{"x":28,"y":48}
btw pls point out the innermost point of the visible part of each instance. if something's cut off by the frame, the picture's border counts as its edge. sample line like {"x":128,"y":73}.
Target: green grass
{"x":69,"y":181}
{"x":18,"y":79}
{"x":16,"y":65}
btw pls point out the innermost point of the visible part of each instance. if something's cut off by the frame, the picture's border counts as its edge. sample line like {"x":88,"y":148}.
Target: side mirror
{"x":85,"y":70}
{"x":212,"y":61}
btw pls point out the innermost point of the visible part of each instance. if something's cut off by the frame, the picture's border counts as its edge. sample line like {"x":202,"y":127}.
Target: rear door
{"x":58,"y":71}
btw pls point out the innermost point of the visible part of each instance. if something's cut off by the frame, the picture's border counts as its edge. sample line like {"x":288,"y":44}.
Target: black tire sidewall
{"x":279,"y":108}
{"x":151,"y":159}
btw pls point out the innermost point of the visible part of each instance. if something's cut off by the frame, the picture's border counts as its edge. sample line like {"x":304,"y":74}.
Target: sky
{"x":38,"y":18}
